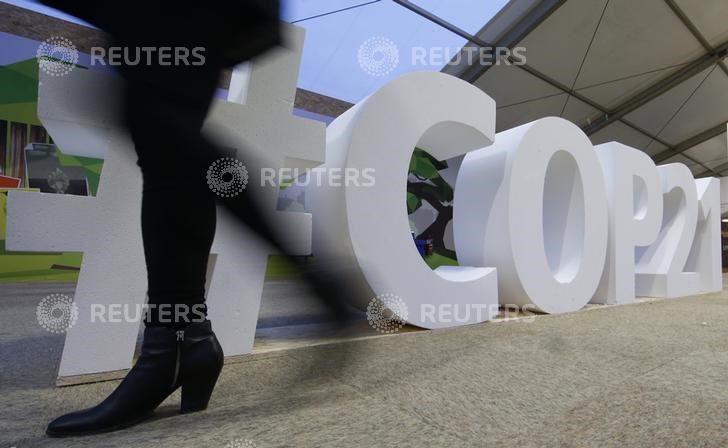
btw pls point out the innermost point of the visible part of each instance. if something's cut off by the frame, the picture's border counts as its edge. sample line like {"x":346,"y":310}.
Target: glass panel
{"x":350,"y":54}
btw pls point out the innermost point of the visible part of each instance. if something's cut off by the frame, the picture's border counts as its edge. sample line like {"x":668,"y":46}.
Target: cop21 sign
{"x":541,"y":216}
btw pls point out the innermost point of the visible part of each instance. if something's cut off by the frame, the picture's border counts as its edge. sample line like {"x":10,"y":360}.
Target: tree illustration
{"x":426,"y":184}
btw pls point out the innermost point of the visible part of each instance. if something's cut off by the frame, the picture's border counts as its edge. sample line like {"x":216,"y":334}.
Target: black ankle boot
{"x":190,"y":358}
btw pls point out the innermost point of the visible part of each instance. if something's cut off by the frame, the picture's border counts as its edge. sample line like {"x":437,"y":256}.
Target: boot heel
{"x":202,"y":362}
{"x":196,"y":395}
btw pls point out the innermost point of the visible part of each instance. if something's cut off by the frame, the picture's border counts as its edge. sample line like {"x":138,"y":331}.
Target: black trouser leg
{"x":178,"y":209}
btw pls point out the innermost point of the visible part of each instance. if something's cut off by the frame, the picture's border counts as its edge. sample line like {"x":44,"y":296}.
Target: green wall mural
{"x":19,"y":128}
{"x":426,"y":186}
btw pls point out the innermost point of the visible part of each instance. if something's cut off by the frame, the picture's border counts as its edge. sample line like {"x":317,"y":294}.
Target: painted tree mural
{"x":425,"y":184}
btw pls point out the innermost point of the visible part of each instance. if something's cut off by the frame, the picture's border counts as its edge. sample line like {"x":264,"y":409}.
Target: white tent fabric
{"x":651,"y":74}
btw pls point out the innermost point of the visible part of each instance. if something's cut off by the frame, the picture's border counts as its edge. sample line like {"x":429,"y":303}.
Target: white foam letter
{"x":635,"y":216}
{"x":534,"y":205}
{"x":660,"y":267}
{"x":439,"y":113}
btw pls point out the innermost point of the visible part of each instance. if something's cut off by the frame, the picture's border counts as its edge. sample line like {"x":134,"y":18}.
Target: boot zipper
{"x":180,"y":341}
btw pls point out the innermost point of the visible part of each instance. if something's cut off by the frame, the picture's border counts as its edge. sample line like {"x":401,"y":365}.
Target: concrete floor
{"x":653,"y":374}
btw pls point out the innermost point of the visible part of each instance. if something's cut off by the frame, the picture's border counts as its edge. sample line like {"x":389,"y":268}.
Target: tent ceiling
{"x":706,"y":15}
{"x":650,"y":74}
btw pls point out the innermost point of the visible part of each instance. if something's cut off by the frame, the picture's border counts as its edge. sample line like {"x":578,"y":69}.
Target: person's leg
{"x":178,"y":211}
{"x":164,"y":115}
{"x":164,"y":110}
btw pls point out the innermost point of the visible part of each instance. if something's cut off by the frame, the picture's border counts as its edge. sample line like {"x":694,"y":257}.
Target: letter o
{"x":534,"y":205}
